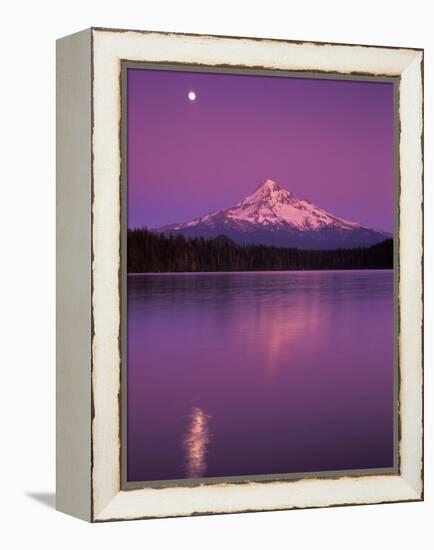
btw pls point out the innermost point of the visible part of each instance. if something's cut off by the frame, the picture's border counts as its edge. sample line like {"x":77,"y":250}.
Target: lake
{"x":258,"y":373}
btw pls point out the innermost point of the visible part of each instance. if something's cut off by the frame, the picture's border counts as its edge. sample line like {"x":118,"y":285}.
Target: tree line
{"x":150,"y":252}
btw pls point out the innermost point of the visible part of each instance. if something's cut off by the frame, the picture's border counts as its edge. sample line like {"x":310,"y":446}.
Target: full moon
{"x":191,"y":96}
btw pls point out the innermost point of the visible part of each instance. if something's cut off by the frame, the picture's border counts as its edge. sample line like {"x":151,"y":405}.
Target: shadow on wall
{"x":47,"y":499}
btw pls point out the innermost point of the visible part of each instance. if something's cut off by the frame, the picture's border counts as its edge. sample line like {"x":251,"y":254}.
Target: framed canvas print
{"x":239,"y":266}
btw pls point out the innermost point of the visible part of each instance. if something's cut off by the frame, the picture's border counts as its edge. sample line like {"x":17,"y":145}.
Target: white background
{"x":27,"y":401}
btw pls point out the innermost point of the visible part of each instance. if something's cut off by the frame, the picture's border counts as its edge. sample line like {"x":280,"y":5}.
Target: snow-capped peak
{"x":271,"y":205}
{"x":269,"y":208}
{"x":267,"y":193}
{"x":268,"y":186}
{"x":272,"y":215}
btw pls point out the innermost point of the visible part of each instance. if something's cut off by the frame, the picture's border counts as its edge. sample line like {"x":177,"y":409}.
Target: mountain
{"x":273,"y":216}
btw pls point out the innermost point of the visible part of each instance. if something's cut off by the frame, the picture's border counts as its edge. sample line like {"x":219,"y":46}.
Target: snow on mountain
{"x":272,"y":215}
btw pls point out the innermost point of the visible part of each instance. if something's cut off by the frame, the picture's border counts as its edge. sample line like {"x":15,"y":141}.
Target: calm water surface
{"x":259,"y":373}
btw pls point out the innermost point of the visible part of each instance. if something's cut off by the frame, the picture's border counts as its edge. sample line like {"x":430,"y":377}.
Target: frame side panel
{"x":411,"y":275}
{"x":73,"y":275}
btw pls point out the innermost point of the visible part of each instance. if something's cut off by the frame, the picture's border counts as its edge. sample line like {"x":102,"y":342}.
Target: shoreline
{"x":253,"y":271}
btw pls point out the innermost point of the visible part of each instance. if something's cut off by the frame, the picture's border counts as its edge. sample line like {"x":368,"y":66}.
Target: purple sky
{"x":329,"y":141}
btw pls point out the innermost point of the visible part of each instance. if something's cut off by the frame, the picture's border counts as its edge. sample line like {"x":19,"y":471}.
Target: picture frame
{"x":91,"y":265}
